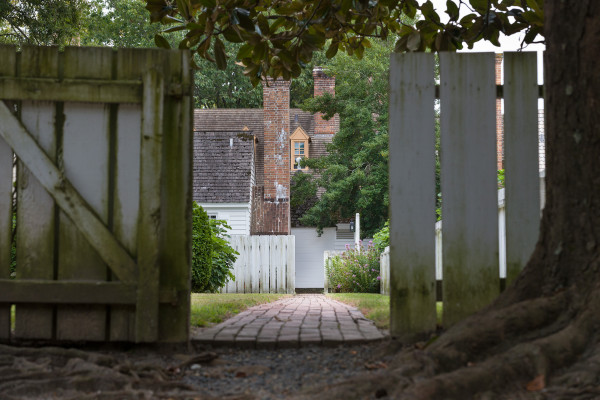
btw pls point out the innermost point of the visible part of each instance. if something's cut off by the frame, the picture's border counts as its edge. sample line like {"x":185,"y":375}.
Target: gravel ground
{"x":277,"y":374}
{"x":56,"y":373}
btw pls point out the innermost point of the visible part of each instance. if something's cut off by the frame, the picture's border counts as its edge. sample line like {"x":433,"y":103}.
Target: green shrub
{"x":223,"y":256}
{"x":381,"y":239}
{"x":355,"y":270}
{"x":201,"y":250}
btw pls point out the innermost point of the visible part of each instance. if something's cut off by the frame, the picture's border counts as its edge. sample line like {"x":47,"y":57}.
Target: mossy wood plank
{"x":127,"y":177}
{"x":522,"y":184}
{"x":36,"y":209}
{"x":412,"y":195}
{"x":74,"y":292}
{"x":469,"y":184}
{"x":176,"y":208}
{"x":68,"y":199}
{"x":76,"y":90}
{"x":64,"y":292}
{"x":146,"y":327}
{"x":85,"y":163}
{"x":7,"y":68}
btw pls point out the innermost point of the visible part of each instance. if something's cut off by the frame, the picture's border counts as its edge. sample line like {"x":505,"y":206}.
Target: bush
{"x":355,"y":270}
{"x":223,"y":256}
{"x":381,"y":239}
{"x":201,"y":250}
{"x":212,"y":256}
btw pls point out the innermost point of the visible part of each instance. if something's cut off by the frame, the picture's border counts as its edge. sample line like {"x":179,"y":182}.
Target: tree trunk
{"x":542,"y":333}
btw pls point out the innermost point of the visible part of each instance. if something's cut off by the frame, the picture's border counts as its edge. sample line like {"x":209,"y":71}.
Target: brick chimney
{"x":271,"y":209}
{"x":499,"y":116}
{"x":324,"y":84}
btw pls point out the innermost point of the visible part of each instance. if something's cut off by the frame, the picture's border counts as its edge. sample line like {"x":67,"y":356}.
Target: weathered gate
{"x":101,"y":197}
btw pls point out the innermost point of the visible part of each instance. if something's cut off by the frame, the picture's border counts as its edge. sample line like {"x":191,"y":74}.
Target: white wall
{"x":237,"y":215}
{"x":309,"y":255}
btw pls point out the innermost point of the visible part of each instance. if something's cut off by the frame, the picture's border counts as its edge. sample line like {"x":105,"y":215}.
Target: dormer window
{"x":299,"y":149}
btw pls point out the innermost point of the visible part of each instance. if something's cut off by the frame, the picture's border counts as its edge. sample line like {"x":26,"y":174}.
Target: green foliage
{"x":355,"y":172}
{"x":223,"y":256}
{"x":355,"y":270}
{"x":279,"y":38}
{"x":500,"y":178}
{"x":381,"y":239}
{"x":42,"y":22}
{"x":119,"y":23}
{"x":201,"y":250}
{"x":212,"y":256}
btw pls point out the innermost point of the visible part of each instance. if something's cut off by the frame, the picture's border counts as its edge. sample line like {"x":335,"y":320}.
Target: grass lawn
{"x":375,"y":306}
{"x":209,"y":308}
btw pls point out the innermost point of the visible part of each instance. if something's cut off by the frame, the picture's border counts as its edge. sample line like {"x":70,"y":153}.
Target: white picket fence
{"x":439,"y":271}
{"x":266,"y":264}
{"x":470,"y":251}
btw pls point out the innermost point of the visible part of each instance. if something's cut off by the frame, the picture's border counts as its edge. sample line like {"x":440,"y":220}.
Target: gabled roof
{"x":223,"y":166}
{"x":234,"y":120}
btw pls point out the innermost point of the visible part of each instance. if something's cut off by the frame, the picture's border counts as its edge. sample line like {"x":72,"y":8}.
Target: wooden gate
{"x":95,"y":175}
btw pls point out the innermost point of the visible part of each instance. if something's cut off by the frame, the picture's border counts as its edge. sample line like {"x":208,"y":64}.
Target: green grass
{"x":376,"y":307}
{"x":209,"y":309}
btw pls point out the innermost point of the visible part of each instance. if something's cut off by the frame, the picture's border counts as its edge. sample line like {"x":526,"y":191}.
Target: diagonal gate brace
{"x":66,"y":197}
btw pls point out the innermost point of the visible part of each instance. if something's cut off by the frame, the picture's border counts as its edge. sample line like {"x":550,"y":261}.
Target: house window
{"x":299,"y":148}
{"x":212,"y":216}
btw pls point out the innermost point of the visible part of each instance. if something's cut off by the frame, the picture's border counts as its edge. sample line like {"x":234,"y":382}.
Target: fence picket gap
{"x":412,"y":194}
{"x":522,"y":190}
{"x":469,"y":183}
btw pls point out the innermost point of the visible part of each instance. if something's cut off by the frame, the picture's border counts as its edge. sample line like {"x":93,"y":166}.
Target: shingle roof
{"x":223,"y":166}
{"x":235,"y":120}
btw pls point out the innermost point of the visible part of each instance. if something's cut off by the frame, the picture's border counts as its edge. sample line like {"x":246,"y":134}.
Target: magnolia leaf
{"x":452,"y":10}
{"x":220,"y":55}
{"x":414,"y":42}
{"x":161,"y":42}
{"x":332,"y":50}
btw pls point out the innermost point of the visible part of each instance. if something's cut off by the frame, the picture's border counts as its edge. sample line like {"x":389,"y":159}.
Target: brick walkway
{"x":312,"y":319}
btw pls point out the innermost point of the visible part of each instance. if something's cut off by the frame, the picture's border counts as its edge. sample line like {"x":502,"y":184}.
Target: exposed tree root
{"x":536,"y":349}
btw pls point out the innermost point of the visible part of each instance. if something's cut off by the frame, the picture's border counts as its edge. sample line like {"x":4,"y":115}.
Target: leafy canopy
{"x":278,"y":37}
{"x":354,"y":173}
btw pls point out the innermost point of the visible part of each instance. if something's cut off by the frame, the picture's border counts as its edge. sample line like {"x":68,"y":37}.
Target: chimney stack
{"x":324,"y":84}
{"x":272,"y":208}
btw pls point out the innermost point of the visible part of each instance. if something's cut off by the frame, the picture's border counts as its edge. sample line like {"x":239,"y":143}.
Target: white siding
{"x":309,"y":255}
{"x":237,"y":215}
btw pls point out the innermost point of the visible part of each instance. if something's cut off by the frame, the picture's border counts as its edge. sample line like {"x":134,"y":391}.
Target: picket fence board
{"x":522,"y":194}
{"x":85,"y":160}
{"x":8,"y":56}
{"x":127,"y":175}
{"x":266,"y":264}
{"x":36,"y":213}
{"x":146,"y":323}
{"x":290,"y":285}
{"x":412,"y":193}
{"x":468,"y":183}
